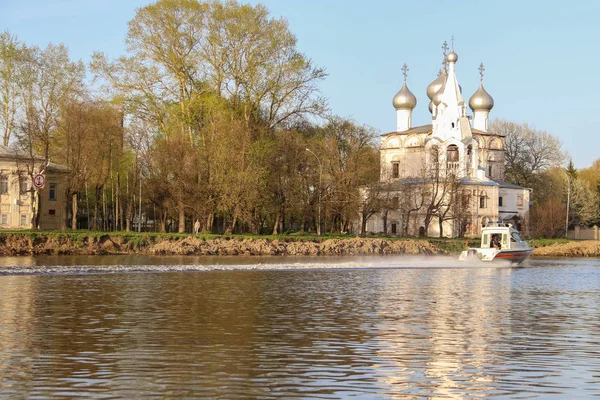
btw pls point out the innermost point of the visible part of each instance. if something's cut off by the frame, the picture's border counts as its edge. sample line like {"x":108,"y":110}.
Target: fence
{"x":582,"y":233}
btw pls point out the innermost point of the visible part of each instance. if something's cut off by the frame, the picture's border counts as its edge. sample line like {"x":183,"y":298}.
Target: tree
{"x":374,"y":199}
{"x":527,"y":152}
{"x":50,"y":79}
{"x":12,"y":59}
{"x":548,"y":218}
{"x":253,"y":61}
{"x":193,"y":65}
{"x":438,"y":184}
{"x":350,"y":162}
{"x":88,"y":140}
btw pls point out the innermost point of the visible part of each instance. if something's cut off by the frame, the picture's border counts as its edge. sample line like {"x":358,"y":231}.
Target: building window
{"x":52,"y":192}
{"x":23,"y":184}
{"x":395,"y":202}
{"x":489,"y":171}
{"x":500,"y":201}
{"x":52,"y":212}
{"x":520,"y":200}
{"x":394,"y":228}
{"x":482,"y":202}
{"x":3,"y":184}
{"x":23,"y":221}
{"x":395,"y":170}
{"x":4,"y":219}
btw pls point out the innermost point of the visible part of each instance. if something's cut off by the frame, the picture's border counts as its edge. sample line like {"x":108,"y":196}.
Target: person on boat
{"x":495,"y":242}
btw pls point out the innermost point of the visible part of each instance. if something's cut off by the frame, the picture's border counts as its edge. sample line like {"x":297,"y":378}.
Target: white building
{"x":455,"y":147}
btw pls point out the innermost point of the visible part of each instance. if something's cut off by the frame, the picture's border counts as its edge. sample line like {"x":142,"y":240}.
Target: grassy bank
{"x":94,"y":242}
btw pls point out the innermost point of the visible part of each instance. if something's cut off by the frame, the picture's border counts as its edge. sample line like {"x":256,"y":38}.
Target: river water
{"x":165,"y":327}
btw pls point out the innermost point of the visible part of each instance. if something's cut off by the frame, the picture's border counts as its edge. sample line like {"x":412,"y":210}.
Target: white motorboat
{"x":499,"y":242}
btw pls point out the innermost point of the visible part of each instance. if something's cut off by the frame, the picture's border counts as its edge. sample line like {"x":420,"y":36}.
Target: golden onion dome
{"x":437,"y":98}
{"x":481,"y":100}
{"x":404,"y":99}
{"x":452,"y":57}
{"x":436,"y":84}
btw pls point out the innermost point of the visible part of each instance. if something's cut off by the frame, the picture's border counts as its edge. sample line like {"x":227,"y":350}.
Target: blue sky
{"x":541,"y":57}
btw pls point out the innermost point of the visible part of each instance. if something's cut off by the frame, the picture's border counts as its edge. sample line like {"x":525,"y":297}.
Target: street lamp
{"x":319,"y":204}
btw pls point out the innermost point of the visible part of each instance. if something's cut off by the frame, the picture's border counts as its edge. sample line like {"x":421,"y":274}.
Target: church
{"x":445,"y":178}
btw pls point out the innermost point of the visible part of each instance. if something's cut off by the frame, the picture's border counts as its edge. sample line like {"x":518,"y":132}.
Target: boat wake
{"x":354,"y":263}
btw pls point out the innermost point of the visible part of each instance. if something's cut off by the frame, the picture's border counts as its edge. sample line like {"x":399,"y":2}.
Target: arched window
{"x":452,"y":153}
{"x":483,"y":199}
{"x":452,"y":157}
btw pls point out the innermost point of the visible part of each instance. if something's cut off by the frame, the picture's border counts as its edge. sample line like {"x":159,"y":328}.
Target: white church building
{"x":455,"y":158}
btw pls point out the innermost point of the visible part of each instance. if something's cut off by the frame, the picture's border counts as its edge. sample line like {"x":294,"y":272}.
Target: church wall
{"x":514,"y":201}
{"x":405,"y":150}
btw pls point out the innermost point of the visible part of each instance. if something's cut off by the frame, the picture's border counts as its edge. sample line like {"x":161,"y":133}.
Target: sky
{"x":541,"y":57}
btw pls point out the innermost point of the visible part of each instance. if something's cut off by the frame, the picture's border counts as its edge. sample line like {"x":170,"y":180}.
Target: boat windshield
{"x":514,"y":237}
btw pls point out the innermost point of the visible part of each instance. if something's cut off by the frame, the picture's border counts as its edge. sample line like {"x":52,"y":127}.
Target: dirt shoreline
{"x":21,"y":244}
{"x":40,"y":243}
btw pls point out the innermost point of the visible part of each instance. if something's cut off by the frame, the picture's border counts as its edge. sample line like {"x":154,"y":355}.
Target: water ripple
{"x":293,"y":332}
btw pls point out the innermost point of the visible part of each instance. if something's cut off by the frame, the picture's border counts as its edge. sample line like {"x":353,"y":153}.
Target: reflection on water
{"x":316,"y":333}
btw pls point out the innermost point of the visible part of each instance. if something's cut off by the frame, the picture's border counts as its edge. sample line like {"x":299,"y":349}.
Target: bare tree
{"x":528,"y":152}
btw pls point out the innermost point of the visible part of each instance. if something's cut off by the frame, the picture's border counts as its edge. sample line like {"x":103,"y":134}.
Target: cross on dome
{"x":481,"y":70}
{"x":404,"y":71}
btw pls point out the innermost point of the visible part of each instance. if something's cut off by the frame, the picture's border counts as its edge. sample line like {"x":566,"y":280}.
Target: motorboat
{"x":499,"y":242}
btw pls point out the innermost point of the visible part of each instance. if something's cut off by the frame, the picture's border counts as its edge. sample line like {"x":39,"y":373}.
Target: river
{"x":169,"y":327}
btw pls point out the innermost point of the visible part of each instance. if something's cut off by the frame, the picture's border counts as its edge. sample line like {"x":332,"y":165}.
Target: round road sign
{"x":39,"y":181}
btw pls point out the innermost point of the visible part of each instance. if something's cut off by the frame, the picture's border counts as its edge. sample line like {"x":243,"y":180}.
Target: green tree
{"x":12,"y":59}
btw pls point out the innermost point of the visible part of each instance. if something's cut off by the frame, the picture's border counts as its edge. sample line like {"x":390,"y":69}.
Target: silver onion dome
{"x":481,"y":100}
{"x":436,"y":84}
{"x":404,"y":99}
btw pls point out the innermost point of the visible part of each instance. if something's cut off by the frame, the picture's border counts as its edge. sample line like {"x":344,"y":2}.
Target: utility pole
{"x":568,"y":204}
{"x":140,"y":212}
{"x":319,"y":201}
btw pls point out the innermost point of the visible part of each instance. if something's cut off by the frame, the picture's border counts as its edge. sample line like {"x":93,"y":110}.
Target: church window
{"x":520,"y":200}
{"x":23,"y":221}
{"x":483,"y":200}
{"x":395,"y":202}
{"x":500,"y":201}
{"x":394,"y":227}
{"x":453,"y":125}
{"x":395,"y":170}
{"x":489,"y":171}
{"x":452,"y":153}
{"x":4,"y":219}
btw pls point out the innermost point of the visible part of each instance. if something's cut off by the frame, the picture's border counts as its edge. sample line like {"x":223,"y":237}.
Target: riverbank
{"x":133,"y":243}
{"x":114,"y":243}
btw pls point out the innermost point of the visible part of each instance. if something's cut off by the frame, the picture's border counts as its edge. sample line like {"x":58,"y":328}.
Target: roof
{"x":429,"y":129}
{"x":416,"y":129}
{"x":507,"y":185}
{"x":469,"y":180}
{"x":13,"y":153}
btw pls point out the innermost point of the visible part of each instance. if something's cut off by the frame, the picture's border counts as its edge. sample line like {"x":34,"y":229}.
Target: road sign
{"x":39,"y":181}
